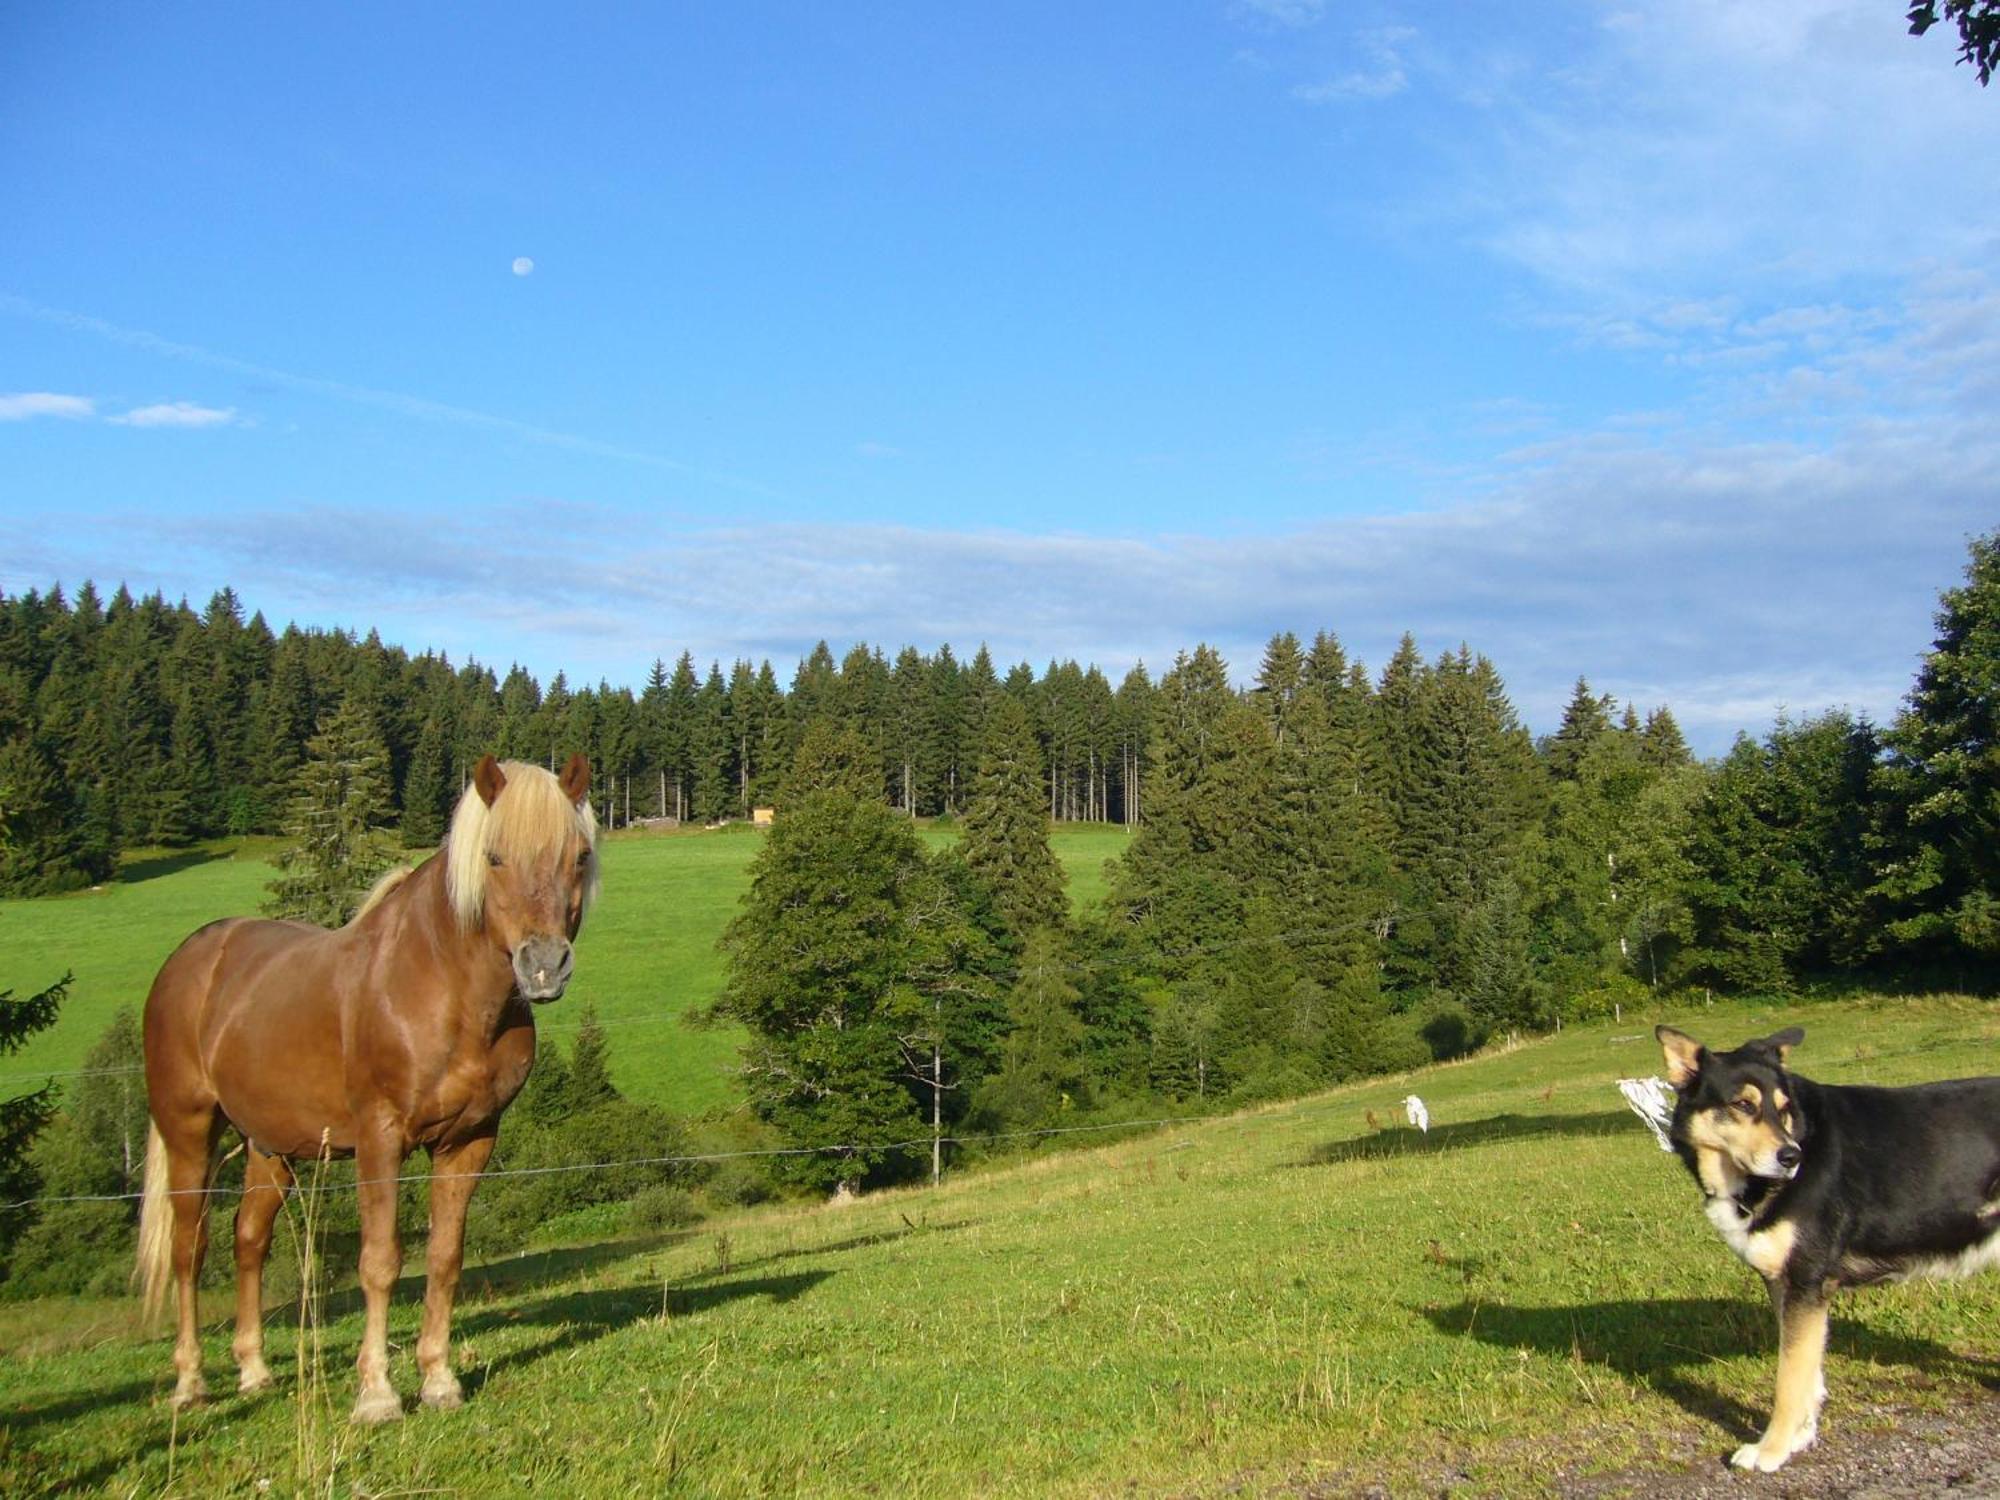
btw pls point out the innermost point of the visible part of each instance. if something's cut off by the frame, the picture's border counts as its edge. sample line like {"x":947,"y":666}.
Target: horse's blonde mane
{"x":529,"y":821}
{"x":379,"y":892}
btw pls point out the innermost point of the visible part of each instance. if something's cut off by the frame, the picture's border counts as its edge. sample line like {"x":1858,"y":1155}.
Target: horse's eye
{"x":583,"y":859}
{"x":494,"y":860}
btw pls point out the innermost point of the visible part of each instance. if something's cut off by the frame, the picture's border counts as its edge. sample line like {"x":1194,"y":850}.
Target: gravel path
{"x":1882,"y":1453}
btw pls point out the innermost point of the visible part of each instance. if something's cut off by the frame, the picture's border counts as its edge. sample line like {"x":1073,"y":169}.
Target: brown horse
{"x":410,"y":1026}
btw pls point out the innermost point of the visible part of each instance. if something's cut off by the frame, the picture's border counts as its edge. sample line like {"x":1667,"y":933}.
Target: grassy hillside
{"x":647,"y":957}
{"x":1286,"y":1300}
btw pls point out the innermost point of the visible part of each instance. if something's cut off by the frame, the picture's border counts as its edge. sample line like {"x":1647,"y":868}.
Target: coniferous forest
{"x":1335,"y":870}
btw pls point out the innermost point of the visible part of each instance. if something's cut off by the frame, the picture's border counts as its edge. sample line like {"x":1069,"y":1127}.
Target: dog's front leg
{"x":1801,"y":1385}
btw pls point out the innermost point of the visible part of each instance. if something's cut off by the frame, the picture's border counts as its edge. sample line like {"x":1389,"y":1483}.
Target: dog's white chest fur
{"x":1764,"y":1250}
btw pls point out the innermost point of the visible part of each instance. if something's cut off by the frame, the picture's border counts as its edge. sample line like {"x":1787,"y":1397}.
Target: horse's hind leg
{"x":190,"y":1163}
{"x":266,"y":1179}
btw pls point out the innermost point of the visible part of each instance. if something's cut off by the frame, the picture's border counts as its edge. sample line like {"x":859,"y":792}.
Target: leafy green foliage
{"x":1978,"y":23}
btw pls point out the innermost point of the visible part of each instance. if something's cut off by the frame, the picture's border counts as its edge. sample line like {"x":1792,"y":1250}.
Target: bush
{"x":663,"y":1207}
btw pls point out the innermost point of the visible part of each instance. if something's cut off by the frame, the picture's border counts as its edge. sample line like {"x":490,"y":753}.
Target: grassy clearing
{"x":647,"y":958}
{"x":1280,"y":1299}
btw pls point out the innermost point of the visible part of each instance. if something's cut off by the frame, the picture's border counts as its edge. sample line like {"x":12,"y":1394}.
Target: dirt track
{"x":1889,"y":1454}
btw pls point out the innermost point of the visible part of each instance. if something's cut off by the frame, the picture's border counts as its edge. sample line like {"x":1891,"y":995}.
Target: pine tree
{"x":548,"y":1097}
{"x":23,"y":1116}
{"x":590,"y":1065}
{"x":1005,"y":844}
{"x":426,"y":788}
{"x":822,"y":965}
{"x":1938,"y":840}
{"x":335,"y":846}
{"x":94,"y":1148}
{"x":46,"y":842}
{"x":832,"y":757}
{"x":1042,"y":1074}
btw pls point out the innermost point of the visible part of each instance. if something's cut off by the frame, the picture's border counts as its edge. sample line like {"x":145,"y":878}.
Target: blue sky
{"x":1656,"y":343}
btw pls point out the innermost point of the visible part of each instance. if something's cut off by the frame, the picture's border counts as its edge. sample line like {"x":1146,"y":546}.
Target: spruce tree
{"x":95,"y":1147}
{"x":1938,"y":840}
{"x":1042,"y":1074}
{"x":821,"y":970}
{"x":590,"y":1065}
{"x":23,"y":1116}
{"x":426,"y":788}
{"x":1005,"y":844}
{"x":47,"y":842}
{"x":335,"y":847}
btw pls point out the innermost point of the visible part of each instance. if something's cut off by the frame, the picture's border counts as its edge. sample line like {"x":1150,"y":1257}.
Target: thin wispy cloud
{"x":1285,"y":13}
{"x":25,"y":405}
{"x":417,"y":407}
{"x":177,"y":414}
{"x":1381,"y":77}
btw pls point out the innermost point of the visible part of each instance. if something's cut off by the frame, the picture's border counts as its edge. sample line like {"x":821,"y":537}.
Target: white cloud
{"x":1382,"y":78}
{"x":177,"y":414}
{"x":1688,"y":149}
{"x":25,"y":404}
{"x":1289,"y":13}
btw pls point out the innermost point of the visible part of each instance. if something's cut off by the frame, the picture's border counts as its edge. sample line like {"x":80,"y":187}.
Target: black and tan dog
{"x":1819,"y":1187}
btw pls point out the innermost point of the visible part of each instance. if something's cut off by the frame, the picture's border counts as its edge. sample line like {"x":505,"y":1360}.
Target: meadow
{"x":1306,"y":1297}
{"x":647,"y":957}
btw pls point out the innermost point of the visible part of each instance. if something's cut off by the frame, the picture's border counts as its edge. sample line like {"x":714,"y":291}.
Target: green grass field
{"x":646,"y":959}
{"x":1282,"y":1301}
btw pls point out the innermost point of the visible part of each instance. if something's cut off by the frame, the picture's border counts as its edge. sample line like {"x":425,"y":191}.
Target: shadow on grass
{"x":579,"y":1318}
{"x":1404,"y":1140}
{"x":517,"y":1273}
{"x":1659,"y":1343}
{"x":155,"y":867}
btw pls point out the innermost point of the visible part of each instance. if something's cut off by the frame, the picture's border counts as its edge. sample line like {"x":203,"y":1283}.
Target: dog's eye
{"x":1744,"y":1108}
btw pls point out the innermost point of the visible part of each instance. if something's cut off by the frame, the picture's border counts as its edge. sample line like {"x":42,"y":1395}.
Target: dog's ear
{"x":1785,"y":1040}
{"x":1683,"y":1054}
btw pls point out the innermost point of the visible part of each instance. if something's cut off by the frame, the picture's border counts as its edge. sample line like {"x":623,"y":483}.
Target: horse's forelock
{"x":530,"y":820}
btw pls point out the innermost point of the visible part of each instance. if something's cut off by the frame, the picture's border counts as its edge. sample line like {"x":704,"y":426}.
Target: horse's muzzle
{"x":542,"y":967}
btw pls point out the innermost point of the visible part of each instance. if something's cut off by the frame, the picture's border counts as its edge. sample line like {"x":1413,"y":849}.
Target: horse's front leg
{"x":378,"y":1160}
{"x":456,"y":1172}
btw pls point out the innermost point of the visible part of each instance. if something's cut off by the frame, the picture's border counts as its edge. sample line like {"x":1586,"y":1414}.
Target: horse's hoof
{"x":190,"y":1393}
{"x":254,"y":1380}
{"x":372,"y":1408}
{"x":442,"y":1392}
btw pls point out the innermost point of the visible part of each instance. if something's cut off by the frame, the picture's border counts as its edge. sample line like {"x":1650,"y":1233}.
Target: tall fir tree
{"x":1005,"y":844}
{"x":23,"y":1116}
{"x":335,"y":848}
{"x":1937,"y":843}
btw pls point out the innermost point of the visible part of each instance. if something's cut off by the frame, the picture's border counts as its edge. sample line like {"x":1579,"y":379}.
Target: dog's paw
{"x":1767,"y":1457}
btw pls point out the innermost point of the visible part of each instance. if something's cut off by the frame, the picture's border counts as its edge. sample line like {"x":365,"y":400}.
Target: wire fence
{"x":847,"y":1148}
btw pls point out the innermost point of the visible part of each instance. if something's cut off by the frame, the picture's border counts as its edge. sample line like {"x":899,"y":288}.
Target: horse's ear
{"x":1683,"y":1054}
{"x":488,"y":779}
{"x":576,"y":777}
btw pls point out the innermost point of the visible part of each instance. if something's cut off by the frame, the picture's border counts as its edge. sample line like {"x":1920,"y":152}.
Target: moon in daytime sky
{"x":523,"y":265}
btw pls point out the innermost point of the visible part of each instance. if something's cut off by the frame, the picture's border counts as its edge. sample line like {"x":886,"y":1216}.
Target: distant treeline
{"x":1401,"y":824}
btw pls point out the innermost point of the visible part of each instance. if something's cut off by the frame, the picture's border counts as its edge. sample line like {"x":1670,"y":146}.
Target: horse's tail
{"x":156,"y":1228}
